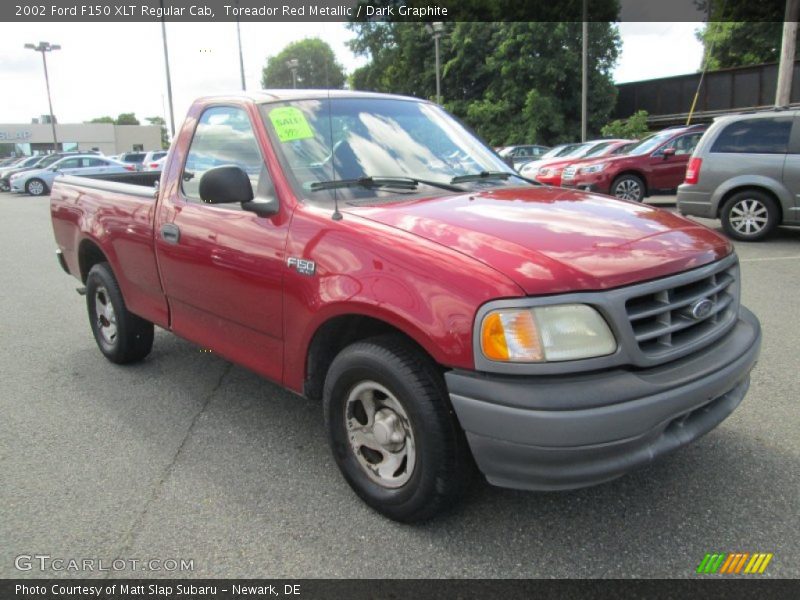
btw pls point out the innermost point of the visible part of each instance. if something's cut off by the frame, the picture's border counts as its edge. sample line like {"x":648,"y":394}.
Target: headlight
{"x":546,"y":333}
{"x":594,"y":168}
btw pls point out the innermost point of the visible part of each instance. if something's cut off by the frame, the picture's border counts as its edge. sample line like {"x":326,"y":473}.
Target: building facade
{"x":37,"y":138}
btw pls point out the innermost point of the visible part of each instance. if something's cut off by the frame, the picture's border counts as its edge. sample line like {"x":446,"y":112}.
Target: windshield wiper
{"x":406,"y":183}
{"x":490,"y":175}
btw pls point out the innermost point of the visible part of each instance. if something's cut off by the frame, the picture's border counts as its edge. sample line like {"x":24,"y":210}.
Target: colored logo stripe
{"x":734,"y":563}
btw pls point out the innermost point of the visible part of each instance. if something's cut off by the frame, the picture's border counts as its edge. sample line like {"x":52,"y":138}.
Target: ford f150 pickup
{"x":366,"y":250}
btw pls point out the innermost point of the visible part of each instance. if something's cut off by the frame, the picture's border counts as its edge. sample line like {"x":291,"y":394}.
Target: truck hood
{"x":551,"y":240}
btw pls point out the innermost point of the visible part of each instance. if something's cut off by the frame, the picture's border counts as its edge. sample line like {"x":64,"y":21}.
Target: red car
{"x":550,"y":174}
{"x":656,"y":163}
{"x":442,"y":310}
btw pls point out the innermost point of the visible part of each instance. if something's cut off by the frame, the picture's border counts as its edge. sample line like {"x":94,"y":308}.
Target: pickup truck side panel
{"x":121,"y":225}
{"x":426,"y":290}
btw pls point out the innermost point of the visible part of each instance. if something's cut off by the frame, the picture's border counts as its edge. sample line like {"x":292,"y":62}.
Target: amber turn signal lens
{"x":511,"y":335}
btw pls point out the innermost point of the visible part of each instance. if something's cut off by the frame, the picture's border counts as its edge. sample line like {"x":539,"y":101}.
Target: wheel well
{"x":757,"y":188}
{"x":332,"y":337}
{"x":637,"y":174}
{"x":89,"y":254}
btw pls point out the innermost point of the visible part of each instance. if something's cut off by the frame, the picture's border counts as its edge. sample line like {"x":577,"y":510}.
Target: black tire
{"x":36,"y":187}
{"x":750,"y":216}
{"x":132,"y":338}
{"x":628,"y":187}
{"x":441,"y":461}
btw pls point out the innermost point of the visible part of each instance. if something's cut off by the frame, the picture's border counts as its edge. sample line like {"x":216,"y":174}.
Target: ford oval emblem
{"x":701,"y":309}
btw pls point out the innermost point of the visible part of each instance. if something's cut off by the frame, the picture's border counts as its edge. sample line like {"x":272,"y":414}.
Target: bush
{"x":632,"y":128}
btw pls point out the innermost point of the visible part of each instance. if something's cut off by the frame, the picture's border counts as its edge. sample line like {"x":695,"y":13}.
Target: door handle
{"x":170,"y":233}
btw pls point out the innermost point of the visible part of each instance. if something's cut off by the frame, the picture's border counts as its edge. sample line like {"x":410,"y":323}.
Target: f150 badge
{"x":301,"y":265}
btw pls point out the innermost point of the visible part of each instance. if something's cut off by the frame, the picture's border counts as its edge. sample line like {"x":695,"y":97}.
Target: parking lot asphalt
{"x":186,"y":456}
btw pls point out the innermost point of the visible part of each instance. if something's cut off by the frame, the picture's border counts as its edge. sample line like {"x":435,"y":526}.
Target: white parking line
{"x":766,"y":258}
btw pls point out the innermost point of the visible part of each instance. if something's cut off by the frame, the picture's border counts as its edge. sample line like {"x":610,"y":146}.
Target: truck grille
{"x":569,"y":173}
{"x":665,"y":321}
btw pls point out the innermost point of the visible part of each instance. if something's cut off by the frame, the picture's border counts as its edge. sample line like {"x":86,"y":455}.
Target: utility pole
{"x":44,"y":48}
{"x":585,"y":71}
{"x":786,"y":68}
{"x":169,"y":78}
{"x":241,"y":58}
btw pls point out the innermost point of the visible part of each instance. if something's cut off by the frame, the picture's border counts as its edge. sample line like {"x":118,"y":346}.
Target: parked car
{"x":27,"y":164}
{"x":133,"y":158}
{"x":38,"y":182}
{"x":658,"y":162}
{"x":550,"y":173}
{"x":5,"y":162}
{"x":155,"y":164}
{"x":519,"y":155}
{"x":746,"y":172}
{"x":530,"y":169}
{"x":417,"y":298}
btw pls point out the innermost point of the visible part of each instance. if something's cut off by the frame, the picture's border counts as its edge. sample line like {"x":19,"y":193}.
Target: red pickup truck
{"x":366,"y":250}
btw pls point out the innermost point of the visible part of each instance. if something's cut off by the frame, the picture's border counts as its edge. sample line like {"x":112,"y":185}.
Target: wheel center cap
{"x":388,"y":430}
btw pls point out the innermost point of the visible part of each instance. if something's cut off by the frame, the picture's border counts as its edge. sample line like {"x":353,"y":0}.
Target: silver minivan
{"x":745,"y":171}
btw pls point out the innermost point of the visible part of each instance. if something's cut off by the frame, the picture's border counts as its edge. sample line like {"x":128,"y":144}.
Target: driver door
{"x":221,"y":266}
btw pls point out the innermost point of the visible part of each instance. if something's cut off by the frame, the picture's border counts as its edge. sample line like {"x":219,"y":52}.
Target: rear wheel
{"x":628,"y":187}
{"x":36,"y":187}
{"x":392,"y":431}
{"x":749,"y":216}
{"x":121,"y":336}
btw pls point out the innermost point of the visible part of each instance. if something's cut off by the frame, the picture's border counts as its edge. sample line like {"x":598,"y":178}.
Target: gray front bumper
{"x":562,"y":432}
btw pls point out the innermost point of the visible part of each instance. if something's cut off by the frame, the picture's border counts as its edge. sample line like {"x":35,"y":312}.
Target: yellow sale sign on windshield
{"x":290,"y":124}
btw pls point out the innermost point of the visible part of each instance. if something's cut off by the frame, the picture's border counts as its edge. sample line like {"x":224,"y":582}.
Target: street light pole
{"x":169,"y":78}
{"x":293,"y":64}
{"x":436,"y":29}
{"x":44,"y":48}
{"x":585,"y":72}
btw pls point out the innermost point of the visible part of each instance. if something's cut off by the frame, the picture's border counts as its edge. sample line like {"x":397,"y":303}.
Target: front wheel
{"x":36,"y":187}
{"x":628,"y":187}
{"x":121,"y":336}
{"x":749,"y":216}
{"x":392,"y":431}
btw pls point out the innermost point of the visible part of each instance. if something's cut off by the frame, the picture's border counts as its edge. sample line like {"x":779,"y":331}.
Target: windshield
{"x":598,"y":149}
{"x":352,"y":139}
{"x":650,"y":143}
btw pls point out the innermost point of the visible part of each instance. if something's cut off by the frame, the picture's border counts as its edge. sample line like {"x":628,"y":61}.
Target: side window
{"x":687,"y":143}
{"x":94,"y":162}
{"x":70,"y":163}
{"x":223,"y":136}
{"x":755,"y":136}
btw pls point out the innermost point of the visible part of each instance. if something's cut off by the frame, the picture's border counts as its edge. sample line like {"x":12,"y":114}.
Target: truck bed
{"x":142,"y":184}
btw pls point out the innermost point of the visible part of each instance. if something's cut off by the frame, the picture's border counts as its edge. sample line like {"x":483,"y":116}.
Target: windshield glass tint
{"x":649,"y":144}
{"x":352,"y":138}
{"x":599,"y":149}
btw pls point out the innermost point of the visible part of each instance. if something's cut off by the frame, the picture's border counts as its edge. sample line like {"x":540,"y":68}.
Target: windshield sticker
{"x":290,"y":124}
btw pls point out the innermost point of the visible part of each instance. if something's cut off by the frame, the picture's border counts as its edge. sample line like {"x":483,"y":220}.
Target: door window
{"x":684,"y":144}
{"x":224,"y":136}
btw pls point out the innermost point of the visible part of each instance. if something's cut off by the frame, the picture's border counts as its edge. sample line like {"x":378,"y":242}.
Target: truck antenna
{"x":336,"y":216}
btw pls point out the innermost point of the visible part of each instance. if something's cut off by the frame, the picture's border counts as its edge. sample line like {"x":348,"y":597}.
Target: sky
{"x":111,"y":68}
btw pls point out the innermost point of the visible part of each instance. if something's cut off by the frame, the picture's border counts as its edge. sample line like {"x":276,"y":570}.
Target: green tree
{"x":741,"y":33}
{"x":127,"y":119}
{"x":163,"y":124}
{"x":105,"y":119}
{"x":633,"y":128}
{"x":511,"y":82}
{"x":317,"y":67}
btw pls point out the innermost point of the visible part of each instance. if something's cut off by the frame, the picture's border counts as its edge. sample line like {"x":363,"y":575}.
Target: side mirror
{"x":225,"y":185}
{"x":668,"y":152}
{"x":229,"y":184}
